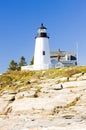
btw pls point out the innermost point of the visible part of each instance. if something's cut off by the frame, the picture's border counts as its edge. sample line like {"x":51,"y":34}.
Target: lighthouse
{"x":44,"y":59}
{"x":42,"y":51}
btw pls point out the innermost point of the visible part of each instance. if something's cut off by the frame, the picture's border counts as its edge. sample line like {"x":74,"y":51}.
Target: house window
{"x":43,"y":52}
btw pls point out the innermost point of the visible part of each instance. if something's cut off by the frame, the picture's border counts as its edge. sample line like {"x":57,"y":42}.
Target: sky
{"x":19,"y":20}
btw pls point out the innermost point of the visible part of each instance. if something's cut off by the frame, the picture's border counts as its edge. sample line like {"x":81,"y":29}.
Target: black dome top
{"x":42,"y":27}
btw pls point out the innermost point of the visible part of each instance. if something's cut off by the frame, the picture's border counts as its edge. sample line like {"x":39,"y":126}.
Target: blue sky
{"x":19,"y":20}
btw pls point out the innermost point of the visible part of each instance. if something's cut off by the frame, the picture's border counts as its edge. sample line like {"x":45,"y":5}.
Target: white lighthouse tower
{"x":42,"y":51}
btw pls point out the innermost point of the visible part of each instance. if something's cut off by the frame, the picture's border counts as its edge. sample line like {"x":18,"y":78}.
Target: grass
{"x":12,"y":80}
{"x":57,"y":109}
{"x":73,"y":103}
{"x":38,"y":89}
{"x":65,"y":72}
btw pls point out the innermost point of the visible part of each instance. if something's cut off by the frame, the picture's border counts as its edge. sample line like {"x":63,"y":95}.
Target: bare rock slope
{"x":51,"y":106}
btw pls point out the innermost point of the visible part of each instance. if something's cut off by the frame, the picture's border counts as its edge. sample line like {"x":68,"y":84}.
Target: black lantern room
{"x":42,"y":32}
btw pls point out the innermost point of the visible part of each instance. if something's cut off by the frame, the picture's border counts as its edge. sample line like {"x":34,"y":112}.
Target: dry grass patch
{"x":57,"y":109}
{"x":71,"y":87}
{"x":73,"y":103}
{"x":9,"y":79}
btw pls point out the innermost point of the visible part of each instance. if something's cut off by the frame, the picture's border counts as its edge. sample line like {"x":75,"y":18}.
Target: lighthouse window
{"x":43,"y":52}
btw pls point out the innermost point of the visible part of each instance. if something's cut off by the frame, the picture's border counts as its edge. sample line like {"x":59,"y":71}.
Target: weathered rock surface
{"x":54,"y":108}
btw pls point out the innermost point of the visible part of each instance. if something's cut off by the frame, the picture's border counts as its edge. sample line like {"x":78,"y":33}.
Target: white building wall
{"x":42,"y":61}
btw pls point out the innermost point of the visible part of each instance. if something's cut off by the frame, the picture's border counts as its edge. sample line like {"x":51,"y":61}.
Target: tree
{"x":13,"y":65}
{"x":17,"y":66}
{"x":32,"y":61}
{"x":22,"y":62}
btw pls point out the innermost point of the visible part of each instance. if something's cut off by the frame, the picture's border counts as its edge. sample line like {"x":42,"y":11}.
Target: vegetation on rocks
{"x":54,"y":97}
{"x":73,"y":103}
{"x":14,"y":80}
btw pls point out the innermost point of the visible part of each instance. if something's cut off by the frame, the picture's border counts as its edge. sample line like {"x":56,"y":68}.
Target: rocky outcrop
{"x":57,"y":106}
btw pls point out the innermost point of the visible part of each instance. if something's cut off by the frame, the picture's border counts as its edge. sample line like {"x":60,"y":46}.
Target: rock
{"x":35,"y":95}
{"x":17,"y":83}
{"x":3,"y":105}
{"x":77,"y":75}
{"x":84,"y":74}
{"x":68,"y":116}
{"x":8,"y":110}
{"x":27,"y":82}
{"x":33,"y":80}
{"x":47,"y":111}
{"x":58,"y":87}
{"x":32,"y":93}
{"x":63,"y":79}
{"x":79,"y":78}
{"x":72,"y":79}
{"x":8,"y":97}
{"x":12,"y":99}
{"x":12,"y":92}
{"x":21,"y":95}
{"x":83,"y":77}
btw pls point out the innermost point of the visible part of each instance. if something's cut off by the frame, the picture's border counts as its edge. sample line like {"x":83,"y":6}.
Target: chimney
{"x":59,"y":55}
